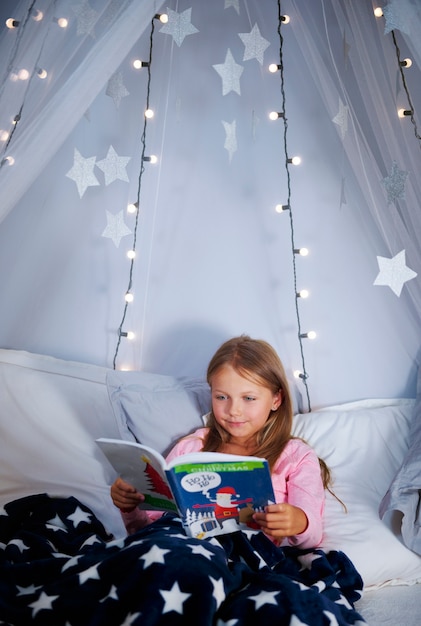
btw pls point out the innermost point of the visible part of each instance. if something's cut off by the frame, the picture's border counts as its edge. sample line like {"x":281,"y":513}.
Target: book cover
{"x":213,"y":493}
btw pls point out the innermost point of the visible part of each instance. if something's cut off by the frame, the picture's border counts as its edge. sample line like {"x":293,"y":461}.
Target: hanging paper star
{"x":230,"y":138}
{"x":179,"y":25}
{"x":341,"y":118}
{"x":395,"y":183}
{"x":114,"y":166}
{"x":116,"y":228}
{"x":230,"y":72}
{"x":235,"y":4}
{"x":86,"y":18}
{"x":394,"y":272}
{"x":255,"y":44}
{"x":116,"y":88}
{"x":82,"y":172}
{"x":399,"y":15}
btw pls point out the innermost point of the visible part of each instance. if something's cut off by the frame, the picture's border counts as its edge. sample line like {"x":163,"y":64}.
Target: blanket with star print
{"x":59,"y":567}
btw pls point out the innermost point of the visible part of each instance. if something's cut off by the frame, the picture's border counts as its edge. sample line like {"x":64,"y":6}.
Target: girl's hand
{"x":124,"y":496}
{"x":282,"y":520}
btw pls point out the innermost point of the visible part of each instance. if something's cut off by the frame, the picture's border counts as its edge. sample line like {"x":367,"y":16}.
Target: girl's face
{"x":240,"y":405}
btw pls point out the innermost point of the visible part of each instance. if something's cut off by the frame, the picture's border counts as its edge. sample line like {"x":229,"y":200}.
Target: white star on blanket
{"x":174,"y":599}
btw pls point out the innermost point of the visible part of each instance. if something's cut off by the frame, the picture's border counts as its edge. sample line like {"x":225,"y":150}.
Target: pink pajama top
{"x":296,"y":479}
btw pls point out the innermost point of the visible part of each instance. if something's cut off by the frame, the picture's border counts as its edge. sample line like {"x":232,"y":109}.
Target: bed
{"x":66,"y":558}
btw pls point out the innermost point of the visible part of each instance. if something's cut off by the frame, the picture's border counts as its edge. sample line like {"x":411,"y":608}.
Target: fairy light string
{"x":120,"y":332}
{"x":405,"y":86}
{"x":303,"y":376}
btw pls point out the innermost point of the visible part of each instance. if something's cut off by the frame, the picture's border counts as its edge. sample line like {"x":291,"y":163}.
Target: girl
{"x":252,"y":415}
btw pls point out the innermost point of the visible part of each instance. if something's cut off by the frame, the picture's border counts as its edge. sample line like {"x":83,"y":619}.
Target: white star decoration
{"x":395,"y":183}
{"x":255,"y":44}
{"x":230,"y":138}
{"x":114,"y":166}
{"x":116,"y":88}
{"x":179,"y":25}
{"x":116,"y":228}
{"x":394,"y":272}
{"x":174,"y":599}
{"x":82,"y":172}
{"x":230,"y":72}
{"x":154,"y":555}
{"x":235,"y":4}
{"x":265,"y":597}
{"x":43,"y":602}
{"x":79,"y":516}
{"x":341,"y":118}
{"x":86,"y":18}
{"x":398,"y":15}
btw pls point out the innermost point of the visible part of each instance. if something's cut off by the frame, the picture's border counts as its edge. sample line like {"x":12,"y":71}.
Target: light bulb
{"x":4,"y":135}
{"x":37,"y":15}
{"x":404,"y":112}
{"x":280,"y":208}
{"x":298,"y":374}
{"x":128,"y":297}
{"x":9,"y":160}
{"x":162,"y":17}
{"x":301,"y":251}
{"x":23,"y":74}
{"x":285,"y":19}
{"x":130,"y":335}
{"x":378,"y":11}
{"x":149,"y":114}
{"x":273,"y":67}
{"x":275,"y":115}
{"x":406,"y":63}
{"x":42,"y":73}
{"x":296,"y":160}
{"x":61,"y":21}
{"x":131,"y":254}
{"x":151,"y":159}
{"x":310,"y":335}
{"x":303,"y":293}
{"x":132,"y":208}
{"x":138,"y":64}
{"x":11,"y":23}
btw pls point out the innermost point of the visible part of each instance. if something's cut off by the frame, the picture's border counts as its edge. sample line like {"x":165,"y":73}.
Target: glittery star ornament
{"x":86,"y":18}
{"x":394,"y":272}
{"x":116,"y":88}
{"x":230,"y":72}
{"x":399,"y":15}
{"x":179,"y":26}
{"x":116,"y":228}
{"x":341,"y":118}
{"x":235,"y":4}
{"x":255,"y":44}
{"x":395,"y":183}
{"x":82,"y":172}
{"x":230,"y":138}
{"x":114,"y":166}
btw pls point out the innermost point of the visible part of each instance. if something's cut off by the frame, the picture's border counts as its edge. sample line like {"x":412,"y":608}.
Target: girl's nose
{"x":235,"y":407}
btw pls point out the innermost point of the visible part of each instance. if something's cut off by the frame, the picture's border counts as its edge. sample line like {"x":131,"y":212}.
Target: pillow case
{"x":404,"y":493}
{"x":363,"y":444}
{"x":51,"y":412}
{"x":156,"y":409}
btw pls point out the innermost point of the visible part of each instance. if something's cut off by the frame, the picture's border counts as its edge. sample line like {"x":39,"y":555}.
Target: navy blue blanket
{"x":59,"y":567}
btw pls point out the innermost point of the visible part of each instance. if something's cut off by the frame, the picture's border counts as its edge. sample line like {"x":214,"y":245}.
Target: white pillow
{"x":363,"y":443}
{"x":157,"y":409}
{"x":51,"y":412}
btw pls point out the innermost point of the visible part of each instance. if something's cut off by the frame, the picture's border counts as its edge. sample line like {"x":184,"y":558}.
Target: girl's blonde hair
{"x":257,"y":361}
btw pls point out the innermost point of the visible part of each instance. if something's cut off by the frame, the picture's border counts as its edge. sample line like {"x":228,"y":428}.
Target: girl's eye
{"x":221,"y":397}
{"x":250,"y":398}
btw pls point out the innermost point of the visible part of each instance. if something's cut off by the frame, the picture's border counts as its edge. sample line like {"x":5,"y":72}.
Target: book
{"x":213,"y":493}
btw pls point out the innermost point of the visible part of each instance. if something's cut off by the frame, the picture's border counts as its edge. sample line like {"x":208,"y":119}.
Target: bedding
{"x":59,"y":567}
{"x":51,"y":412}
